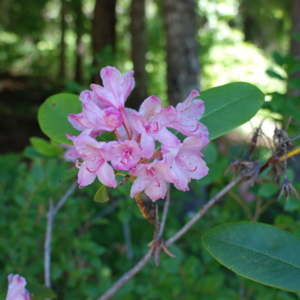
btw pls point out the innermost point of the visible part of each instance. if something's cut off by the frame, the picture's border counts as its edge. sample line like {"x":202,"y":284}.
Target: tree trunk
{"x":295,"y":44}
{"x":78,"y":16}
{"x":103,"y":33}
{"x":62,"y":60}
{"x":182,"y":49}
{"x":138,"y":53}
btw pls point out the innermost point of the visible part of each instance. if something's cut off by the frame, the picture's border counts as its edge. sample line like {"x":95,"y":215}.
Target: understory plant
{"x":140,"y":154}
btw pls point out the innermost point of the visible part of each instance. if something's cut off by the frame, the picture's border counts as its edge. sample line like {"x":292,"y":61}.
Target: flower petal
{"x":150,"y":107}
{"x":119,"y":85}
{"x":156,"y":191}
{"x":16,"y":288}
{"x":182,"y":177}
{"x":106,"y":175}
{"x":85,"y":177}
{"x":138,"y":186}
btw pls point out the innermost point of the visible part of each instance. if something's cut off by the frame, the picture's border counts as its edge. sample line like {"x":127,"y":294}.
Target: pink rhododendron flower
{"x":151,"y":121}
{"x":188,"y":114}
{"x":144,"y":146}
{"x":152,"y":178}
{"x":71,"y":152}
{"x":116,"y":87}
{"x":96,"y":119}
{"x":94,"y":155}
{"x":16,"y":288}
{"x":124,"y":155}
{"x":186,"y":161}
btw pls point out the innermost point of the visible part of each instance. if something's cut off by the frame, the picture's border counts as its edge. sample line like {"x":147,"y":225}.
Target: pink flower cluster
{"x":16,"y":288}
{"x":144,"y":146}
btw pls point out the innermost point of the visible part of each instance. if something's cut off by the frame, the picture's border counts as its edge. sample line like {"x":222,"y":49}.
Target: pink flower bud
{"x":16,"y":288}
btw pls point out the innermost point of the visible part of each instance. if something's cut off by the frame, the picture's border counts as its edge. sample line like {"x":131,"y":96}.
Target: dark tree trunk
{"x":295,"y":44}
{"x":62,"y":58}
{"x":138,"y":53}
{"x":182,"y":49}
{"x":79,"y":44}
{"x":104,"y":30}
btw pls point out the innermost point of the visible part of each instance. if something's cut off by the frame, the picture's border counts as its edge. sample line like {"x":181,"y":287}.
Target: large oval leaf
{"x":257,"y":251}
{"x":53,"y":116}
{"x":229,"y":106}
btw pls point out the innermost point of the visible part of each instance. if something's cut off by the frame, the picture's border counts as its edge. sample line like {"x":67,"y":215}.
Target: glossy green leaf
{"x":229,"y":106}
{"x":53,"y":116}
{"x":257,"y":251}
{"x":101,"y":195}
{"x":43,"y":147}
{"x":40,"y":291}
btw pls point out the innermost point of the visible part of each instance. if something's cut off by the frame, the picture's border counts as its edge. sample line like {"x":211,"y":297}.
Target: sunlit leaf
{"x":229,"y":106}
{"x":257,"y":251}
{"x":43,"y":147}
{"x":101,"y":195}
{"x":53,"y":116}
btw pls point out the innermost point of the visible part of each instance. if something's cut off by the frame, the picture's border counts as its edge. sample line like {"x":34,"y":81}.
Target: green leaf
{"x":296,"y":36}
{"x":210,"y":152}
{"x":257,"y":251}
{"x":53,"y":116}
{"x":274,"y":74}
{"x":30,"y":152}
{"x":43,"y":147}
{"x":229,"y":106}
{"x":278,"y":58}
{"x":267,"y":190}
{"x":101,"y":195}
{"x":294,"y":83}
{"x":40,"y":290}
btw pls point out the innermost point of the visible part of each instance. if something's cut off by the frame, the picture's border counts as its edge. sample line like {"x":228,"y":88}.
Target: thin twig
{"x":47,"y":245}
{"x":257,"y":209}
{"x":165,"y":212}
{"x":266,"y":205}
{"x":128,"y":275}
{"x":64,"y":198}
{"x":202,"y":211}
{"x":242,"y":203}
{"x":53,"y":209}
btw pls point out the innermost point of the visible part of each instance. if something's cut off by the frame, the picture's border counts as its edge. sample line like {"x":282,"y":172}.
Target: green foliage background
{"x":89,"y":250}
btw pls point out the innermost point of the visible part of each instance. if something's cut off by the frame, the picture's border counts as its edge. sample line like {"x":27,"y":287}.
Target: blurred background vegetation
{"x":52,"y":46}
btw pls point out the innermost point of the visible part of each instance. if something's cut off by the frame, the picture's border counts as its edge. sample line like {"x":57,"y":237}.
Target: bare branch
{"x":241,"y":202}
{"x":165,"y":212}
{"x":64,"y":198}
{"x":257,"y":209}
{"x":128,"y":275}
{"x":47,"y":245}
{"x":202,"y":211}
{"x":53,"y":209}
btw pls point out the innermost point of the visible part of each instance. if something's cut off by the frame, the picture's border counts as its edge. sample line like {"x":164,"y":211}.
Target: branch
{"x":53,"y":209}
{"x":47,"y":248}
{"x":128,"y":275}
{"x":165,"y":212}
{"x":64,"y":198}
{"x":202,"y":211}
